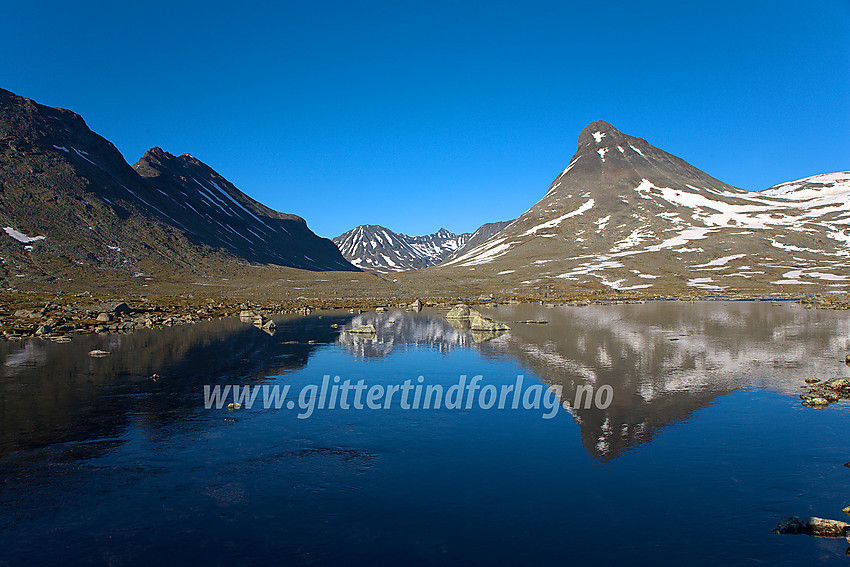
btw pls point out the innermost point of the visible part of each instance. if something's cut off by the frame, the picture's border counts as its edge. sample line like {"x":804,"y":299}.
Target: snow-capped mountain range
{"x":378,"y":249}
{"x":625,"y":215}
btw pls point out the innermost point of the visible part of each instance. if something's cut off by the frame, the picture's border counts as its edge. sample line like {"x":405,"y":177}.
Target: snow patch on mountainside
{"x":555,"y":222}
{"x":21,"y":237}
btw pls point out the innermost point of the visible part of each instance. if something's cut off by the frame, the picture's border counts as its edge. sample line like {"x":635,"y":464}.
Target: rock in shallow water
{"x":827,"y":528}
{"x":821,"y":527}
{"x":480,"y":323}
{"x":823,"y":393}
{"x":462,"y":311}
{"x":362,"y":330}
{"x":791,"y":525}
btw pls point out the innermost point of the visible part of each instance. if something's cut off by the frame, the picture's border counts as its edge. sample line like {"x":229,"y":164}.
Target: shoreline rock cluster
{"x":56,"y":321}
{"x":822,"y":394}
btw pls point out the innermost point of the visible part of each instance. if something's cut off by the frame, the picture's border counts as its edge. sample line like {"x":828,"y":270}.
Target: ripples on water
{"x":703,"y":449}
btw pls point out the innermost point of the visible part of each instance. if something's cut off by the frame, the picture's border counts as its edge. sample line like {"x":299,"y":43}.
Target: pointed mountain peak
{"x":600,"y":127}
{"x":150,"y":164}
{"x":156,"y":153}
{"x":156,"y":160}
{"x":602,"y":134}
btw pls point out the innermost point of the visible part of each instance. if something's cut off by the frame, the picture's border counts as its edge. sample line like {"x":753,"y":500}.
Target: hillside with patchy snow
{"x":628,"y":216}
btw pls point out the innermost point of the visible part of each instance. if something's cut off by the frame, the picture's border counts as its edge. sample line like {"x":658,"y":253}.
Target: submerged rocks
{"x":791,"y":525}
{"x":99,"y":353}
{"x":821,"y":394}
{"x":363,"y":330}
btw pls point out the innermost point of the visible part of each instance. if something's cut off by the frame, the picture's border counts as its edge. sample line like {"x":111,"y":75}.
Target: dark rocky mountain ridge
{"x":64,"y":183}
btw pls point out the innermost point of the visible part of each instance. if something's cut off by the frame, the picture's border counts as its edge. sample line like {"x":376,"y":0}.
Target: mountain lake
{"x":661,"y":433}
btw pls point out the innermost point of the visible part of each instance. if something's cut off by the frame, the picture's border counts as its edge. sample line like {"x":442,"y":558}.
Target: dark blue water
{"x":702,"y":450}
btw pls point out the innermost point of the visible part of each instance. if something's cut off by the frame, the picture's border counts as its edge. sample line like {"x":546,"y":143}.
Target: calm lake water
{"x":700,"y":448}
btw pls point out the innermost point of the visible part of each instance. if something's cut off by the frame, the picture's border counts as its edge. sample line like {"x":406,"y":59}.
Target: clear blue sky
{"x":417,"y":115}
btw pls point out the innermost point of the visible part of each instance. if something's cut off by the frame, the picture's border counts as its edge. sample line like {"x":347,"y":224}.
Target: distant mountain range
{"x":622,"y":216}
{"x":378,"y":249}
{"x":625,"y":215}
{"x":69,"y":203}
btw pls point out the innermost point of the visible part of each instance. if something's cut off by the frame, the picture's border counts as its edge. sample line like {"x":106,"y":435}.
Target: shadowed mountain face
{"x":69,"y":203}
{"x":378,"y":249}
{"x":626,"y":215}
{"x":218,"y":214}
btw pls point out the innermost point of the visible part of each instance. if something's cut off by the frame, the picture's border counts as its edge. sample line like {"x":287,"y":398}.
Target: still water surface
{"x":702,"y":449}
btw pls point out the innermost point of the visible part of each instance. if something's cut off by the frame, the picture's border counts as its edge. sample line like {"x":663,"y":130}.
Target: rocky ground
{"x":55,"y":314}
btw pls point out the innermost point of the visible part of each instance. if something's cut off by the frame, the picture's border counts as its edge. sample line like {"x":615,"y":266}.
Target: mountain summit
{"x":626,"y":215}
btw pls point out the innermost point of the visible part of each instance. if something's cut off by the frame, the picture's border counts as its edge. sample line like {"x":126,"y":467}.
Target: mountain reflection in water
{"x":663,"y":360}
{"x":703,"y":448}
{"x":56,"y":392}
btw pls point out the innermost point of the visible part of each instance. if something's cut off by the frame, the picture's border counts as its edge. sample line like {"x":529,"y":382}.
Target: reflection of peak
{"x":664,"y":361}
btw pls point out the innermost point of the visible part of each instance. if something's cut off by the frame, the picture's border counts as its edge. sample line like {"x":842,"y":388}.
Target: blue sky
{"x":417,"y":115}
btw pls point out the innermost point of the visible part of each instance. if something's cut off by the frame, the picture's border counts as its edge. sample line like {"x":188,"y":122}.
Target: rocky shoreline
{"x":59,"y":316}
